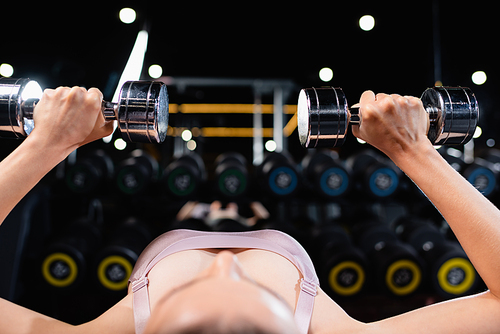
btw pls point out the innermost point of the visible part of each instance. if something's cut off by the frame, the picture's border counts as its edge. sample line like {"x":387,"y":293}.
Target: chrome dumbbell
{"x":324,"y":115}
{"x":141,"y":111}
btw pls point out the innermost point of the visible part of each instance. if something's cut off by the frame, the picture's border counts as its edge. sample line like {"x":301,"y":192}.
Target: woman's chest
{"x":267,"y":268}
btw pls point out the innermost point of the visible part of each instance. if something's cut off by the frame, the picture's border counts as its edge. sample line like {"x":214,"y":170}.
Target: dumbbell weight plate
{"x":282,"y":181}
{"x":403,"y":277}
{"x":455,"y":277}
{"x":482,"y":178}
{"x":322,"y":117}
{"x":382,"y":181}
{"x":64,"y":262}
{"x":143,"y":111}
{"x":232,"y":182}
{"x":135,"y":173}
{"x":231,"y":174}
{"x":326,"y":174}
{"x":114,"y":271}
{"x":60,"y":270}
{"x":90,"y":172}
{"x":453,"y":113}
{"x":278,"y":175}
{"x":185,"y":175}
{"x":346,"y":278}
{"x":13,"y":94}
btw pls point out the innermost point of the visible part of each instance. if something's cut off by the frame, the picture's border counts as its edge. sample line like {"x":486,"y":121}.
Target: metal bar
{"x":278,"y":118}
{"x":258,"y":140}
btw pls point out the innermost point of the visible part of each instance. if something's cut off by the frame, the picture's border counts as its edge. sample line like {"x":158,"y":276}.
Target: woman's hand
{"x":67,"y":118}
{"x":394,"y":124}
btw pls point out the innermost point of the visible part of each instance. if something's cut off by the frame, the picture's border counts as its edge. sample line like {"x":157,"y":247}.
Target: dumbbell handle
{"x":355,"y":114}
{"x":109,"y":109}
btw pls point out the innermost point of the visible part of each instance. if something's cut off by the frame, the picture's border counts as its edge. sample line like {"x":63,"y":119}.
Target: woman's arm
{"x":65,"y":119}
{"x":398,"y":126}
{"x":15,"y":319}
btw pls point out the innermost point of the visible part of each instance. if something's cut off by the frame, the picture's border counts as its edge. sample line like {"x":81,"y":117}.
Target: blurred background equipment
{"x":231,"y":174}
{"x":115,"y":260}
{"x":65,"y":260}
{"x":277,"y":175}
{"x":135,"y":173}
{"x":185,"y":175}
{"x":450,"y":271}
{"x":90,"y":173}
{"x":325,"y":174}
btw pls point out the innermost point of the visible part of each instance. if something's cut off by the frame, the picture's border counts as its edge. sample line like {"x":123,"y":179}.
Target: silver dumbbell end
{"x":141,"y":111}
{"x":453,"y":114}
{"x":16,"y":95}
{"x":323,"y":116}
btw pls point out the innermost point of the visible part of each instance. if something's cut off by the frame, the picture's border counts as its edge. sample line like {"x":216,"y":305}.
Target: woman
{"x":199,"y":288}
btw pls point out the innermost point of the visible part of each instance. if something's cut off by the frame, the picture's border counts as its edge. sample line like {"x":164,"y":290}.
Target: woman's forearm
{"x":65,"y":119}
{"x":22,"y":170}
{"x":397,"y":125}
{"x":16,"y":319}
{"x":473,"y":218}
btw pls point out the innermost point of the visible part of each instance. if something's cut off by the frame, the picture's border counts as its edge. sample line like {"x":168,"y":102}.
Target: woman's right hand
{"x":67,"y":118}
{"x":394,"y":124}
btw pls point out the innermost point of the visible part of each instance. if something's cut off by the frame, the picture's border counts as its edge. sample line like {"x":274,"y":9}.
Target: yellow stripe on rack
{"x":233,"y":132}
{"x":290,"y":126}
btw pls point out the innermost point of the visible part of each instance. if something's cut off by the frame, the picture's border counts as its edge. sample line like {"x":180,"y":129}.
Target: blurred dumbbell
{"x":396,"y":265}
{"x":141,"y":111}
{"x":377,"y":176}
{"x":89,"y":172}
{"x":115,"y":261}
{"x":277,"y":175}
{"x":65,"y":260}
{"x":451,"y":272}
{"x":483,"y":175}
{"x":324,"y":116}
{"x":326,"y":174}
{"x":231,"y":175}
{"x":134,"y":174}
{"x":185,"y":175}
{"x":342,"y":264}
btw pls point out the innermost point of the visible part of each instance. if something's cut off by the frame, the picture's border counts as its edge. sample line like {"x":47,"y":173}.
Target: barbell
{"x":141,"y":110}
{"x":323,"y":116}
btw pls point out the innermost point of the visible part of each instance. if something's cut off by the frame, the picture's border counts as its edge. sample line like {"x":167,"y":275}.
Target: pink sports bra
{"x":180,"y":240}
